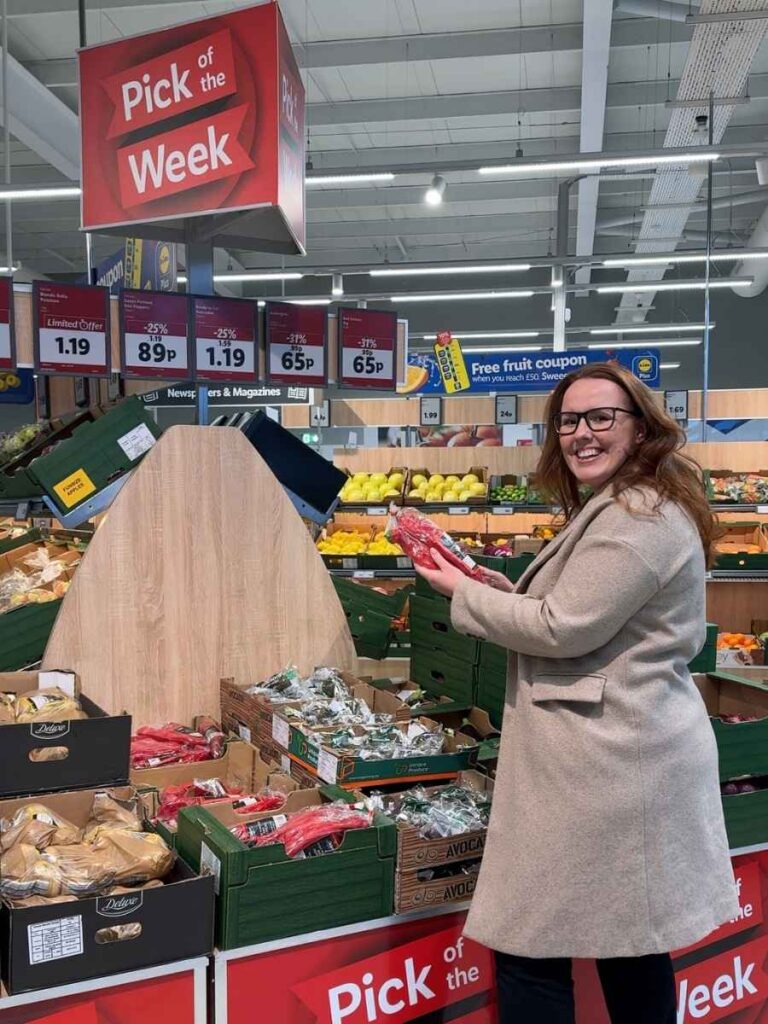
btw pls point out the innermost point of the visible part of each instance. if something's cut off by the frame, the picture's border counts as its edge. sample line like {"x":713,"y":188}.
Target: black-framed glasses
{"x":596,"y":419}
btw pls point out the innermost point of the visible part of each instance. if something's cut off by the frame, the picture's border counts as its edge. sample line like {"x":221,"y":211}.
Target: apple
{"x":418,"y":480}
{"x":477,"y":489}
{"x":395,"y":480}
{"x":415,"y":493}
{"x":360,"y":478}
{"x":450,"y":496}
{"x":378,"y":478}
{"x":465,"y":495}
{"x":470,"y":478}
{"x":436,"y":478}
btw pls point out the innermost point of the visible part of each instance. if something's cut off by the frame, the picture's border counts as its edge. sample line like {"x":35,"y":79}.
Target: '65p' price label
{"x":71,"y":329}
{"x":296,"y":344}
{"x":226,"y":338}
{"x":367,"y":347}
{"x":154,"y":335}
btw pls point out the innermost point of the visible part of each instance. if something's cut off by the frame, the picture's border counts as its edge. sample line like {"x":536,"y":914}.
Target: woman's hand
{"x":445,"y":578}
{"x":497,"y":580}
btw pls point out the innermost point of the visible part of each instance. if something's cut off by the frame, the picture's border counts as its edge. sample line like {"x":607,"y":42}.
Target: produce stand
{"x":174,"y":993}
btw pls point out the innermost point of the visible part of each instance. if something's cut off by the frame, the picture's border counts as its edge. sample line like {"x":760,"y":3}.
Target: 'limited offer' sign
{"x":297,"y":339}
{"x":367,"y":346}
{"x":154,"y":335}
{"x":226,"y":338}
{"x":7,"y":341}
{"x":71,"y":323}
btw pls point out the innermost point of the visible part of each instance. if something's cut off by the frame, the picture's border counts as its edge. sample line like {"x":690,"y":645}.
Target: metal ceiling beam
{"x":594,"y":86}
{"x":60,"y":73}
{"x":42,"y":122}
{"x":483,"y":104}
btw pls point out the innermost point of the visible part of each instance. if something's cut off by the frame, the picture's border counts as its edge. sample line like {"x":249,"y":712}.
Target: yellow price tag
{"x":450,"y":361}
{"x":74,"y":488}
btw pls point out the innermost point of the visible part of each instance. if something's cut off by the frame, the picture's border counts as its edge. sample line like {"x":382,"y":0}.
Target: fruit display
{"x":357,"y":542}
{"x":424,"y":486}
{"x":35,"y":576}
{"x":738,"y":488}
{"x":509,"y":494}
{"x":734,"y":649}
{"x":467,"y":436}
{"x":14,"y":442}
{"x":371,"y":488}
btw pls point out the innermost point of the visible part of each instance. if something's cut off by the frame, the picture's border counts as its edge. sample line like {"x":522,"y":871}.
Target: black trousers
{"x":637,"y":990}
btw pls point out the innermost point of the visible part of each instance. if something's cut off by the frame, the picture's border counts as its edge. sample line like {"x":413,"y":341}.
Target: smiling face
{"x":595,"y":456}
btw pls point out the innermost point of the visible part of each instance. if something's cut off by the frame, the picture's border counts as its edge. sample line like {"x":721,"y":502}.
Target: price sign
{"x":225,"y":333}
{"x":71,"y":324}
{"x":367,"y":349}
{"x":676,"y":404}
{"x":154,"y":335}
{"x":430,"y":412}
{"x":297,"y":344}
{"x":7,"y":338}
{"x":450,"y":362}
{"x":506,"y":409}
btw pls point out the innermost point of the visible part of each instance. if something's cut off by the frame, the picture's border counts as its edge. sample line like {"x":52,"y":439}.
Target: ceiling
{"x":422,"y":86}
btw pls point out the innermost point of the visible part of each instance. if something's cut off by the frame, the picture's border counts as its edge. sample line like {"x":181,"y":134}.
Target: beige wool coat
{"x":606,"y":836}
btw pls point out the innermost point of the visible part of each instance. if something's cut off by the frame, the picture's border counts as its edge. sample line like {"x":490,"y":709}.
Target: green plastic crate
{"x":24,"y":633}
{"x":263,"y":895}
{"x":439,"y":673}
{"x":512,"y":566}
{"x":25,"y":538}
{"x":746,"y":818}
{"x":93,"y":454}
{"x":431,"y":627}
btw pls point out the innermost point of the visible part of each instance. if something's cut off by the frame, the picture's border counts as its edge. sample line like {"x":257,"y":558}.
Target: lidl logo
{"x":165,"y":259}
{"x":646,"y":368}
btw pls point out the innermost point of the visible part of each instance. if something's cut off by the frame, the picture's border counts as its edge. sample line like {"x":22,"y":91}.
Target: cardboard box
{"x":480,"y":472}
{"x":46,"y":757}
{"x":429,"y":705}
{"x":383,"y":502}
{"x":41,"y":947}
{"x":742,"y":546}
{"x":735,"y":657}
{"x":727,"y":486}
{"x":262,"y":894}
{"x":413,"y":893}
{"x":527,"y":545}
{"x":240,"y":767}
{"x":328,"y":765}
{"x":742,"y":746}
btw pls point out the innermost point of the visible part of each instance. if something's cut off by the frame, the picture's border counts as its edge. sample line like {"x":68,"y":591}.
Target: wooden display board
{"x":201,"y":569}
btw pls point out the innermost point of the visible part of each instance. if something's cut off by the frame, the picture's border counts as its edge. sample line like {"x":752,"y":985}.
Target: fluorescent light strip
{"x":598,"y":162}
{"x":681,"y":343}
{"x":348,"y":179}
{"x":660,"y":261}
{"x":492,"y":268}
{"x":223,"y":278}
{"x":55,"y":192}
{"x":669,"y":366}
{"x":474,"y":335}
{"x":648,"y":328}
{"x":306,"y":302}
{"x":457,"y":297}
{"x":672,"y":286}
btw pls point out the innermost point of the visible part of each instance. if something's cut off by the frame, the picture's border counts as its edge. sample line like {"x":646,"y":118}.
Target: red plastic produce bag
{"x":416,"y":534}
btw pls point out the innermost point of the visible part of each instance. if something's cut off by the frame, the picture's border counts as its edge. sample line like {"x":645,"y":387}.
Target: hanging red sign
{"x":211,"y":123}
{"x":297,"y":344}
{"x":367,"y":349}
{"x":7,"y":334}
{"x":154,"y":335}
{"x":71,"y":329}
{"x":225,"y":333}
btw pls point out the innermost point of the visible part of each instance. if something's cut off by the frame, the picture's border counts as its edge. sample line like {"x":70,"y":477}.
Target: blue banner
{"x":139,"y":264}
{"x":525,"y":371}
{"x":17,"y":387}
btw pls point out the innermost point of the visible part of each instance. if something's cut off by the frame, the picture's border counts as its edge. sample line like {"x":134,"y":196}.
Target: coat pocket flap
{"x":587,"y":689}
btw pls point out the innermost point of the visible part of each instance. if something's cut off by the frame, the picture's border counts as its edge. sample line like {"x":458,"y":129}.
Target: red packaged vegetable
{"x":417,"y":534}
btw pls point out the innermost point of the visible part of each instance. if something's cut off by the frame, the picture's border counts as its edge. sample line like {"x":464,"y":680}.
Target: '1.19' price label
{"x":225,"y":339}
{"x":71,"y":329}
{"x":154,"y":335}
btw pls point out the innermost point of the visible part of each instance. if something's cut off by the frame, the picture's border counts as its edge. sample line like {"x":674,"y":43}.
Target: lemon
{"x":415,"y":493}
{"x":465,"y":495}
{"x":451,"y":480}
{"x":450,"y":496}
{"x":418,"y":480}
{"x":391,"y":492}
{"x":360,"y":478}
{"x":432,"y":496}
{"x":437,"y":478}
{"x":477,"y":489}
{"x":355,"y":494}
{"x":396,"y":480}
{"x":470,"y":478}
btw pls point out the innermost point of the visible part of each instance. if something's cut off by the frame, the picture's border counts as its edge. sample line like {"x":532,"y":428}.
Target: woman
{"x":607,"y":837}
